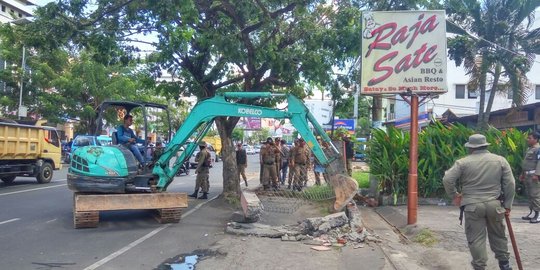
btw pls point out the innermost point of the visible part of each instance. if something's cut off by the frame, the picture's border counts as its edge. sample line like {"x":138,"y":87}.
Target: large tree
{"x":213,"y":46}
{"x":497,"y":46}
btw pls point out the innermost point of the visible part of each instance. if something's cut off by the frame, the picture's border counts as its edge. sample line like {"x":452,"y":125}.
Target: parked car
{"x":250,"y":150}
{"x":86,"y":140}
{"x":193,"y":162}
{"x":257,"y":149}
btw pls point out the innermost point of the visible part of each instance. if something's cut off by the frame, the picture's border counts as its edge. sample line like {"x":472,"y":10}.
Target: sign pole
{"x":412,"y":198}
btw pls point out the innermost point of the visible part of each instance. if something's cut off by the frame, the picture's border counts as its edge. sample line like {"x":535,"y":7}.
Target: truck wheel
{"x":45,"y":173}
{"x":8,"y":179}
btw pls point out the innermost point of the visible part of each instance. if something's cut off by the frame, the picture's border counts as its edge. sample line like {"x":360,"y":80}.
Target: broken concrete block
{"x":320,"y":225}
{"x":260,"y":230}
{"x":240,"y":218}
{"x":355,"y":217}
{"x":321,"y":248}
{"x":251,"y":205}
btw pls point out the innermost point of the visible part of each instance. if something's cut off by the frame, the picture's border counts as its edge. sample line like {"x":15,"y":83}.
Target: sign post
{"x":404,"y":52}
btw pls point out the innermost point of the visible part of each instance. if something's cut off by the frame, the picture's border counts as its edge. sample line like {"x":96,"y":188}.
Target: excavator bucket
{"x":344,"y":186}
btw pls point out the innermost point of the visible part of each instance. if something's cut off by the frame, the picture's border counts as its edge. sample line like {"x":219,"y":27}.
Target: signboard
{"x":403,"y":50}
{"x":249,"y":123}
{"x":344,"y":123}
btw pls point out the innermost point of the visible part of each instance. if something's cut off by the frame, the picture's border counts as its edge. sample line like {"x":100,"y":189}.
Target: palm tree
{"x":496,"y":45}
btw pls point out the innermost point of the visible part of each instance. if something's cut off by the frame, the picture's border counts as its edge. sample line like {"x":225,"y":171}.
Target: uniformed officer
{"x":269,"y":156}
{"x":202,"y":171}
{"x":300,"y":161}
{"x":529,"y":175}
{"x":291,"y":167}
{"x":486,"y":181}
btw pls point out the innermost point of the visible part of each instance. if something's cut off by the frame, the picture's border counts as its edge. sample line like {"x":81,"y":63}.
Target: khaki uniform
{"x":269,"y":158}
{"x":531,"y":166}
{"x":203,"y":172}
{"x":483,"y":177}
{"x":291,"y":168}
{"x":300,"y":160}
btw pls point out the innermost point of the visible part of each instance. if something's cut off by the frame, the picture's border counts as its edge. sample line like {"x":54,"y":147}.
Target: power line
{"x":487,"y":41}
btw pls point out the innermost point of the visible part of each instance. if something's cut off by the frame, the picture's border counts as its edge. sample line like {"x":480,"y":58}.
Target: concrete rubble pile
{"x":339,"y":229}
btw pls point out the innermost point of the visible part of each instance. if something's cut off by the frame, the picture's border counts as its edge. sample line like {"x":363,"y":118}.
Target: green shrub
{"x":439,"y":147}
{"x":362,"y":178}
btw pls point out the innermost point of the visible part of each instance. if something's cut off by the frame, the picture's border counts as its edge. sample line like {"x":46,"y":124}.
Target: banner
{"x":403,"y":51}
{"x":344,"y":123}
{"x":249,"y":123}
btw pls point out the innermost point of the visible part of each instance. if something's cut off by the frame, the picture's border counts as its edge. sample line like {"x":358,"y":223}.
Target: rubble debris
{"x":251,"y":206}
{"x":338,"y":229}
{"x":261,"y":230}
{"x":241,"y":218}
{"x":320,"y":225}
{"x":321,"y":248}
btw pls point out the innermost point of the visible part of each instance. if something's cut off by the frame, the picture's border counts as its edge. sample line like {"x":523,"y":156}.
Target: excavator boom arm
{"x":207,"y":110}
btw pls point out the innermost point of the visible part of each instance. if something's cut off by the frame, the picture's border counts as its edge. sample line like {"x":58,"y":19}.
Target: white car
{"x":250,"y":150}
{"x":257,"y":149}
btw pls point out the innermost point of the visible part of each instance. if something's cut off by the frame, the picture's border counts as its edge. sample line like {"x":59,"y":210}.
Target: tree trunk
{"x":231,"y":179}
{"x":492,"y":96}
{"x":481,"y":122}
{"x":376,"y":111}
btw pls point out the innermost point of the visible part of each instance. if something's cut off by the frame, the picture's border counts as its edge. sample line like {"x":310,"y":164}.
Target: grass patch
{"x":318,"y":193}
{"x":233,"y":200}
{"x":426,"y":238}
{"x":362,"y":178}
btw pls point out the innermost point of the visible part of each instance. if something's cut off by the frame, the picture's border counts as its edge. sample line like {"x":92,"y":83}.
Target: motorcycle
{"x":184,"y":169}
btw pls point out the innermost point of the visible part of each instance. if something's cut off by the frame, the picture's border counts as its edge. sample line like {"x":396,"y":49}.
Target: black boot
{"x":528,"y":216}
{"x":535,"y":218}
{"x":245,"y":181}
{"x":504,"y":265}
{"x":204,"y":196}
{"x":194,"y":195}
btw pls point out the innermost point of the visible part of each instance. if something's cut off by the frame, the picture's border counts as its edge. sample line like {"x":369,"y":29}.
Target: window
{"x":537,"y":92}
{"x":510,"y":94}
{"x":460,"y":91}
{"x":20,"y":15}
{"x":3,"y":8}
{"x":472,"y":94}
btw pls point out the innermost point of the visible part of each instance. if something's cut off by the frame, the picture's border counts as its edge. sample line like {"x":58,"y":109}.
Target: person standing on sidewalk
{"x":292,"y":171}
{"x":284,"y":161}
{"x":268,"y":161}
{"x":241,"y":162}
{"x":530,"y":175}
{"x":300,"y":162}
{"x":349,"y":153}
{"x":202,"y":171}
{"x":486,"y":181}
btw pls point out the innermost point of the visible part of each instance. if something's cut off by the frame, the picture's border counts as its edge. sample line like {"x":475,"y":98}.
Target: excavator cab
{"x":114,"y":169}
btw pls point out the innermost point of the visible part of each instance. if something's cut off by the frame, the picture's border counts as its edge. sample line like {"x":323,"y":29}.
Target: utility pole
{"x":20,"y":113}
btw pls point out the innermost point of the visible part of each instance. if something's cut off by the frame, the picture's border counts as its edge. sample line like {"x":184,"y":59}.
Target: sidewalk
{"x":451,"y":251}
{"x":248,"y":252}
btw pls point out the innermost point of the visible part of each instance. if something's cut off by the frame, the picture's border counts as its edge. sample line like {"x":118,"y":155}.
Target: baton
{"x":513,"y":240}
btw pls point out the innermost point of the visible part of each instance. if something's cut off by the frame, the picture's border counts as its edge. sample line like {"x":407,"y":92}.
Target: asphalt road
{"x":36,"y":228}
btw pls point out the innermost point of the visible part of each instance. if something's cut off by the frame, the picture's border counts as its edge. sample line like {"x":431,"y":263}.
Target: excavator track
{"x":168,"y":215}
{"x":85,"y":219}
{"x":167,"y":206}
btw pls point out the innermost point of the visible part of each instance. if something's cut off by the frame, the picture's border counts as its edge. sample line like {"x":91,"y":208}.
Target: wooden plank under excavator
{"x":102,"y":202}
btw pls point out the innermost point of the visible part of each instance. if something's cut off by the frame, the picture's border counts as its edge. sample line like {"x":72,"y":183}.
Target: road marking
{"x":33,"y":189}
{"x":142,"y":239}
{"x":8,"y":221}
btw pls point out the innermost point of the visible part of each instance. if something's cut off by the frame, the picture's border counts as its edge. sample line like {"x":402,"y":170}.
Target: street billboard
{"x":249,"y":123}
{"x":403,"y":51}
